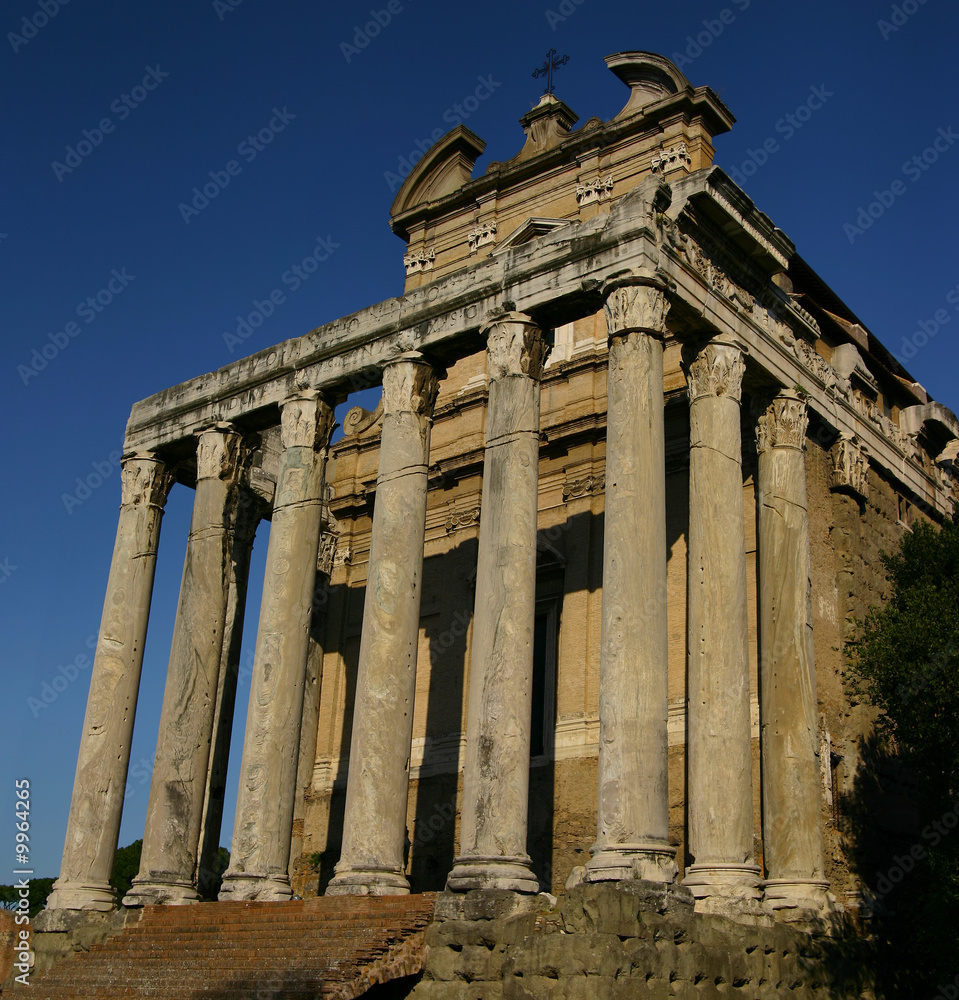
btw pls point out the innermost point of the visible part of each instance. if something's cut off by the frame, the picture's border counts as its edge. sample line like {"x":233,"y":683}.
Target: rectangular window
{"x":543,"y":718}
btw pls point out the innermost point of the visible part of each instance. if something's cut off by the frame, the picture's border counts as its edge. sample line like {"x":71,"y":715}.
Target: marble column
{"x":171,"y":837}
{"x":493,"y":851}
{"x":260,"y":854}
{"x":719,"y":792}
{"x":98,"y":789}
{"x":789,"y":737}
{"x":633,"y":802}
{"x":374,"y":824}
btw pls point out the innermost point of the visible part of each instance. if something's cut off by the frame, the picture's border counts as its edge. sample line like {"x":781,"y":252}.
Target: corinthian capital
{"x":635,"y":304}
{"x":410,"y":385}
{"x":144,"y":479}
{"x":783,"y":423}
{"x":516,"y":346}
{"x":219,"y":453}
{"x":717,"y":370}
{"x":306,"y":422}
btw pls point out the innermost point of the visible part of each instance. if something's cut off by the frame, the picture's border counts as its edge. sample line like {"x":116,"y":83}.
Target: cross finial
{"x":553,"y":62}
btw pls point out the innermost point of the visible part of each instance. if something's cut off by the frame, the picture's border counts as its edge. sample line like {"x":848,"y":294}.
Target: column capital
{"x":850,"y":466}
{"x":306,"y":421}
{"x":516,"y":346}
{"x":635,"y":304}
{"x":145,"y":479}
{"x":219,"y":452}
{"x":410,"y":385}
{"x":783,"y":422}
{"x":716,"y":369}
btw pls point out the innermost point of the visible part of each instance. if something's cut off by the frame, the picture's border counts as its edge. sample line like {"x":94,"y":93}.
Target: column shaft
{"x":374,"y":826}
{"x":792,"y":827}
{"x":178,"y":788}
{"x":260,"y":854}
{"x":633,"y":801}
{"x":493,"y":851}
{"x":718,"y":743}
{"x":98,"y":789}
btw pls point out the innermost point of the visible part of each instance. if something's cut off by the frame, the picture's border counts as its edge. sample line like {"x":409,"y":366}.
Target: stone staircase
{"x":330,"y":947}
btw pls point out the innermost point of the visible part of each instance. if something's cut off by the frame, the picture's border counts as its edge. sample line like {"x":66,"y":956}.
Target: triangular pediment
{"x":530,"y":230}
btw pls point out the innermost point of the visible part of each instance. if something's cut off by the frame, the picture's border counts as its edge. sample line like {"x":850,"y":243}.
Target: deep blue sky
{"x":888,"y":95}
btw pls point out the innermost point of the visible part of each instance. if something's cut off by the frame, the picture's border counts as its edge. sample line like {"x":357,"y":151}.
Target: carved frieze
{"x":849,"y":466}
{"x":639,"y":305}
{"x":670,"y":158}
{"x":589,"y":485}
{"x":144,"y":479}
{"x":598,"y":189}
{"x":410,"y":385}
{"x":516,"y":346}
{"x":717,"y":370}
{"x":481,"y":236}
{"x":419,"y":260}
{"x":701,"y":262}
{"x":783,"y":423}
{"x":456,"y":519}
{"x":326,"y":554}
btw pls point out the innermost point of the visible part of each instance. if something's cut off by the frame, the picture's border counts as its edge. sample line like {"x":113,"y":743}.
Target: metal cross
{"x":552,"y":63}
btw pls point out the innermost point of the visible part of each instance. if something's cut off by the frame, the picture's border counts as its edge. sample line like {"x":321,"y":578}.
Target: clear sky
{"x":115,"y":112}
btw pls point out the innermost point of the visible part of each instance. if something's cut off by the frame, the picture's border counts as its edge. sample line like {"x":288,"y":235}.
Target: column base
{"x":511,"y":874}
{"x":255,"y":888}
{"x":728,"y":890}
{"x":650,"y":861}
{"x":153,"y":892}
{"x":797,"y":899}
{"x":97,"y":896}
{"x":367,"y":882}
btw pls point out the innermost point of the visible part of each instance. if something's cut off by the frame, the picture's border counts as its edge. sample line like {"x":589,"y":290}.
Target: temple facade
{"x":568,"y":606}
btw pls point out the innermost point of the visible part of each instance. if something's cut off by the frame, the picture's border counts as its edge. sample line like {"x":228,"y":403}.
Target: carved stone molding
{"x":670,"y":158}
{"x":410,"y":384}
{"x":481,"y":236}
{"x":219,"y":453}
{"x":637,"y":304}
{"x":589,"y":485}
{"x":516,"y":346}
{"x":710,"y":271}
{"x":456,"y":519}
{"x":326,"y":554}
{"x":783,"y":423}
{"x":598,"y":189}
{"x":849,"y":466}
{"x":144,"y":479}
{"x":359,"y":420}
{"x":306,"y":422}
{"x":717,"y":370}
{"x":419,"y":260}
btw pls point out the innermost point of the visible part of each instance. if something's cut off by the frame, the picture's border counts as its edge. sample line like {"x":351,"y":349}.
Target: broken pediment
{"x":530,"y":230}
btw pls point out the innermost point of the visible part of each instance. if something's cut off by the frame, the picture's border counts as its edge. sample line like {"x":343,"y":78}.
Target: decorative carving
{"x":717,"y":370}
{"x":419,"y":260}
{"x":359,"y":420}
{"x":636,"y":305}
{"x":714,"y":276}
{"x":849,"y":466}
{"x":783,"y":423}
{"x":306,"y":422}
{"x":516,"y":346}
{"x":461,"y":519}
{"x":219,"y":453}
{"x":599,"y":189}
{"x":870,"y":411}
{"x":410,"y":384}
{"x":326,"y":554}
{"x":482,"y":235}
{"x":669,"y":159}
{"x":588,"y":485}
{"x":144,"y":479}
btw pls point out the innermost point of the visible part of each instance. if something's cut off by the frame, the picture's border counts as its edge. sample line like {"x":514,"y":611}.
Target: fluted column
{"x":171,"y":837}
{"x":374,"y":825}
{"x":792,"y":827}
{"x":493,"y":851}
{"x":633,"y":802}
{"x":98,"y":789}
{"x":718,"y":743}
{"x":260,"y":855}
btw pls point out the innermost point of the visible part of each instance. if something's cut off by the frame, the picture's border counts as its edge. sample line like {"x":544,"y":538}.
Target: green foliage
{"x":126,"y":864}
{"x":39,"y":889}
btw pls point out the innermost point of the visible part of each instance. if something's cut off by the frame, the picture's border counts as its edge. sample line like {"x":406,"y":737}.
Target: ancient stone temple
{"x":563,"y":614}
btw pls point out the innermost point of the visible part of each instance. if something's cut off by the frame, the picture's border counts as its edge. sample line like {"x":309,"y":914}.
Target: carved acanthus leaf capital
{"x":783,"y":423}
{"x":850,"y":466}
{"x":717,"y":370}
{"x":516,"y":346}
{"x":144,"y":479}
{"x":306,"y":422}
{"x":637,"y":304}
{"x":219,"y":453}
{"x":410,"y":385}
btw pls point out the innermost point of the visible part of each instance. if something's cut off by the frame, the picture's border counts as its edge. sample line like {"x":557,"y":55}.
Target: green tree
{"x":126,"y":864}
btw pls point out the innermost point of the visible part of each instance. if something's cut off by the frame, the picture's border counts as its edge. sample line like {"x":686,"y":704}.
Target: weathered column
{"x":374,"y":824}
{"x":260,"y":854}
{"x":98,"y":789}
{"x":792,"y":827}
{"x":719,"y":793}
{"x":496,"y":776}
{"x":633,"y":804}
{"x":171,"y":837}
